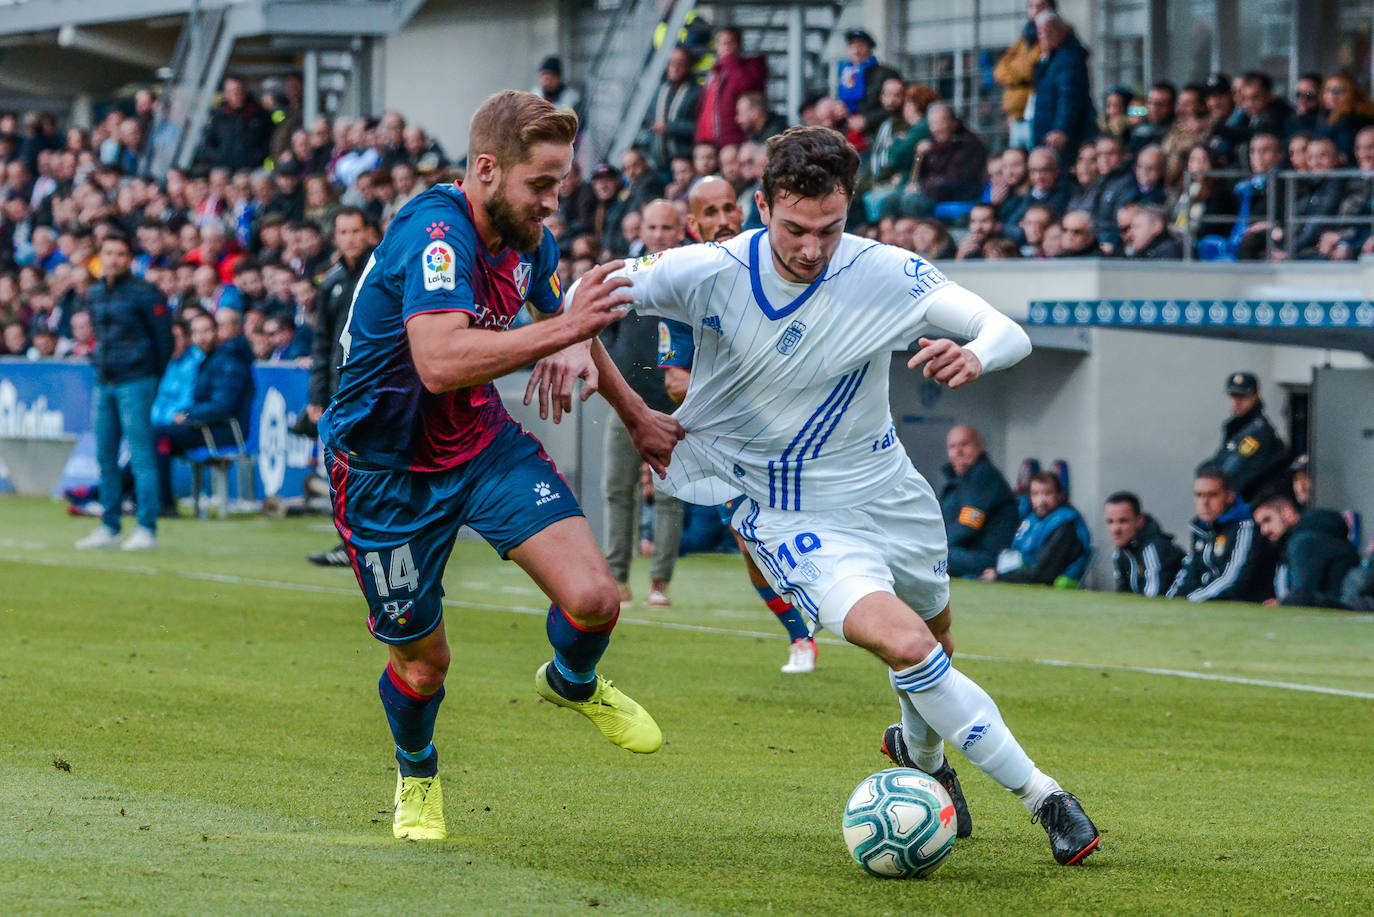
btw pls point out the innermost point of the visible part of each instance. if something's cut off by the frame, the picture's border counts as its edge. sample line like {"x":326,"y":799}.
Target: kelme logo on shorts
{"x":545,"y":493}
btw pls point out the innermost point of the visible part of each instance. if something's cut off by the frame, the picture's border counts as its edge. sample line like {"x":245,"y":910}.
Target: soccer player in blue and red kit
{"x":419,"y":444}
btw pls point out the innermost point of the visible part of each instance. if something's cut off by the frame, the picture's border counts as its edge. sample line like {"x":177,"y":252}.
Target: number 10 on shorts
{"x":400,"y":574}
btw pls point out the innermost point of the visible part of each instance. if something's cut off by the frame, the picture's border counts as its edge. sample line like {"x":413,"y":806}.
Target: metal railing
{"x":1287,"y":183}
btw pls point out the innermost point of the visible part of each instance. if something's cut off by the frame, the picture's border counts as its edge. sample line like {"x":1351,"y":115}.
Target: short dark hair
{"x":731,"y":30}
{"x":809,"y":162}
{"x":1215,"y":472}
{"x":1166,"y":86}
{"x":1312,"y":76}
{"x":118,"y":235}
{"x":1049,"y":479}
{"x":1259,"y":78}
{"x":1125,"y":496}
{"x":1278,"y":500}
{"x":351,"y":211}
{"x":244,"y":266}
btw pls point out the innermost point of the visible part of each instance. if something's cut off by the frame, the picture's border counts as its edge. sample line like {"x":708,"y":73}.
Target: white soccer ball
{"x":899,"y":824}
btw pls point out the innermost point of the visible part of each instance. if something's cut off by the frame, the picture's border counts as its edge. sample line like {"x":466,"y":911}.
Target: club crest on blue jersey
{"x":521,"y":276}
{"x":791,"y":338}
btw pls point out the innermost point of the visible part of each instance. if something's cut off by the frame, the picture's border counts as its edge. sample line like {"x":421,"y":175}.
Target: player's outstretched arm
{"x":996,"y":342}
{"x":653,"y":433}
{"x":449,"y":354}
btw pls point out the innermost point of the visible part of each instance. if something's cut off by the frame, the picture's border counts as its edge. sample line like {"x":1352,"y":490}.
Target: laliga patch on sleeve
{"x":973,"y":517}
{"x":1249,"y":446}
{"x":440,"y":266}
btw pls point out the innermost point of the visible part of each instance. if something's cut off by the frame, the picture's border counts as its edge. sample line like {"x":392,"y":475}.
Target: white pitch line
{"x":724,"y":631}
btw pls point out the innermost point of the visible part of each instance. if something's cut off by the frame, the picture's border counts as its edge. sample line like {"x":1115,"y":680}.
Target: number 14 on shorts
{"x":397,"y":575}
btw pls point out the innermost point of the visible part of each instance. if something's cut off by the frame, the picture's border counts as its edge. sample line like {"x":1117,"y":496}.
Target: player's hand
{"x":557,"y":374}
{"x":654,"y":438}
{"x":598,"y":301}
{"x":946,"y":362}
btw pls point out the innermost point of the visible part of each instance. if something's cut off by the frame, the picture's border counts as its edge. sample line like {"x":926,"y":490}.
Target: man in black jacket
{"x":133,"y":328}
{"x":223,"y":393}
{"x":352,"y":239}
{"x":1227,"y":558}
{"x":1146,"y":560}
{"x":239,"y":130}
{"x":978,"y":506}
{"x":1251,"y":453}
{"x":1314,"y":552}
{"x":671,"y":124}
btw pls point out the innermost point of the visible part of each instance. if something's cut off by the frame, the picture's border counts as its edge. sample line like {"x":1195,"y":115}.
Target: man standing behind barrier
{"x":134,"y":330}
{"x":1251,"y":453}
{"x":978,"y":506}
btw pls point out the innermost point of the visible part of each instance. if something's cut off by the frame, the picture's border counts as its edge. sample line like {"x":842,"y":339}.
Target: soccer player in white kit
{"x":794,"y":326}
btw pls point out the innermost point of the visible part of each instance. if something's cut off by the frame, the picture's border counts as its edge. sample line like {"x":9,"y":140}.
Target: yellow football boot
{"x":611,"y":710}
{"x":419,"y":814}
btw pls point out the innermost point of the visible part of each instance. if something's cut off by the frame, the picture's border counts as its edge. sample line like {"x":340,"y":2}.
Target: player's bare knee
{"x":906,"y":649}
{"x":593,"y":604}
{"x":424,"y":674}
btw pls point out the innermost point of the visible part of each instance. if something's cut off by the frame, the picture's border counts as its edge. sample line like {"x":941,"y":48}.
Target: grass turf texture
{"x":216,"y":703}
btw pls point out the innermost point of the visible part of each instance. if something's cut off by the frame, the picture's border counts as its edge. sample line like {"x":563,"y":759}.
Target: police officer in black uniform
{"x":1251,"y":452}
{"x":354,"y":240}
{"x":1228,"y":559}
{"x":980,"y":511}
{"x":1146,"y":560}
{"x":1314,"y":552}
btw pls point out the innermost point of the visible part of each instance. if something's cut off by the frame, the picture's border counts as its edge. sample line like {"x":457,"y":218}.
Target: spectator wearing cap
{"x":1015,"y":73}
{"x":730,"y":77}
{"x":1300,"y":482}
{"x":238,"y":132}
{"x":1064,"y":113}
{"x":1313,"y":548}
{"x":671,"y":124}
{"x":610,"y":206}
{"x":1227,"y":560}
{"x":1251,"y":453}
{"x":552,"y":89}
{"x":288,"y":201}
{"x":860,"y":85}
{"x":1146,"y":559}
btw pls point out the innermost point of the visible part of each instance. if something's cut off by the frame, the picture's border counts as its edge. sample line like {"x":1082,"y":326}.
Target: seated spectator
{"x":1080,"y":239}
{"x":1148,"y":184}
{"x":1116,"y":178}
{"x":1114,"y":122}
{"x":1264,"y":112}
{"x":1150,"y":236}
{"x":286,"y":345}
{"x":1190,"y":128}
{"x":1226,"y":560}
{"x":1347,"y":113}
{"x":930,"y":239}
{"x":1228,"y":134}
{"x":1252,"y":199}
{"x":893,"y":157}
{"x":550,"y":85}
{"x":83,"y":335}
{"x":1341,"y":242}
{"x":1010,"y":183}
{"x":1205,"y":202}
{"x":983,"y":226}
{"x":1146,"y":559}
{"x":951,"y":168}
{"x":1052,"y":245}
{"x":1046,"y":189}
{"x":1000,"y":249}
{"x":1307,"y":108}
{"x":1087,"y":181}
{"x":1251,"y":453}
{"x":1159,"y":118}
{"x":1052,"y":546}
{"x":223,"y":392}
{"x":978,"y":506}
{"x":1317,"y":197}
{"x":641,"y":184}
{"x":1314,"y":552}
{"x":16,"y":339}
{"x":1031,"y":230}
{"x":176,"y":388}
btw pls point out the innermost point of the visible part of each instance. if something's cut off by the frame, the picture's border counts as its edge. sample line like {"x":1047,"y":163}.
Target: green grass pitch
{"x":196,"y":730}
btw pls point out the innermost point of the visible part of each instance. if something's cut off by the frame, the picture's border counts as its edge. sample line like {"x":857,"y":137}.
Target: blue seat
{"x":1214,"y":248}
{"x":952,"y":211}
{"x":218,"y":460}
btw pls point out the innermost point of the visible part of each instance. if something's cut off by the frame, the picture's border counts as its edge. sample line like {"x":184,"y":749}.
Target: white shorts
{"x":827,"y":560}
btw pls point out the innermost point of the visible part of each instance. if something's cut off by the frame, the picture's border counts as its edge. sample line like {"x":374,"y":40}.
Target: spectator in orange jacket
{"x":1015,"y":73}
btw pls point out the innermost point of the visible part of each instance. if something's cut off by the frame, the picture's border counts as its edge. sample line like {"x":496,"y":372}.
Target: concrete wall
{"x":455,"y":53}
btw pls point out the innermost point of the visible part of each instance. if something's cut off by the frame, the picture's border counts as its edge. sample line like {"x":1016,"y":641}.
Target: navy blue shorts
{"x":399,"y":526}
{"x":726,"y":510}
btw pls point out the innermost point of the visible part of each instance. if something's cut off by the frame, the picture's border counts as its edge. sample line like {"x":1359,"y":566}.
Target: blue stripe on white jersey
{"x":848,"y":399}
{"x":781,"y":463}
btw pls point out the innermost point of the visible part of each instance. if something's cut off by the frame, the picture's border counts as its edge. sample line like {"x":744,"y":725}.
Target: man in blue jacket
{"x":224,"y":392}
{"x":1064,"y":112}
{"x":1052,"y":547}
{"x":133,"y":330}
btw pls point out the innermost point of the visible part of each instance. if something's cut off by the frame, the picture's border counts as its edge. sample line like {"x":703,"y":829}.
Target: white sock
{"x":1036,"y":790}
{"x":926,"y":746}
{"x":966,"y":717}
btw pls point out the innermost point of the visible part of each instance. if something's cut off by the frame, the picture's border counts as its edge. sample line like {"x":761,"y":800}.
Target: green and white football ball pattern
{"x":899,"y":824}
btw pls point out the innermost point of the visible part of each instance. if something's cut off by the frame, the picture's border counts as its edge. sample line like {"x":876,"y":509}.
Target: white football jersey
{"x":788,"y":401}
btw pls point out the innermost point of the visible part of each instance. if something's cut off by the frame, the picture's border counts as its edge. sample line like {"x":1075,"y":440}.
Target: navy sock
{"x":576,"y":650}
{"x":411,"y":717}
{"x":787,"y":613}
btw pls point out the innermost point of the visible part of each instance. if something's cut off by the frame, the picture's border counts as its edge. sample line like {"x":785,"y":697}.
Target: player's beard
{"x":800,"y":273}
{"x":515,"y":227}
